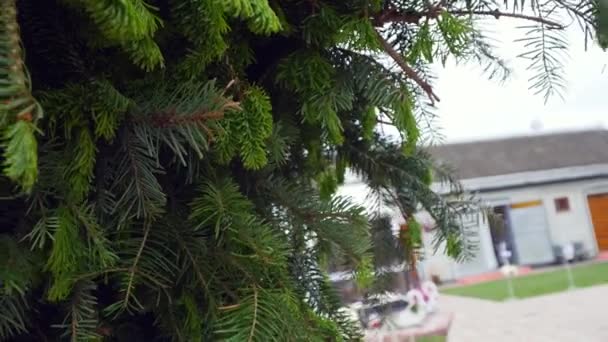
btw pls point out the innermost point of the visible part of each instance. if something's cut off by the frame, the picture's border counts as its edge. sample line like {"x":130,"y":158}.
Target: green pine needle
{"x":124,"y":20}
{"x":66,"y":256}
{"x":21,"y":154}
{"x":254,"y":127}
{"x":13,"y":318}
{"x":186,"y":170}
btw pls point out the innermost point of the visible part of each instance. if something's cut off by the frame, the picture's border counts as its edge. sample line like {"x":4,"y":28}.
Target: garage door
{"x":531,"y":233}
{"x":598,"y":206}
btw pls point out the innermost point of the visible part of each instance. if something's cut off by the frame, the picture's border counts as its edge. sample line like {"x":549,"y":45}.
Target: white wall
{"x":574,"y":225}
{"x":564,"y":227}
{"x":435,"y":262}
{"x":482,"y":260}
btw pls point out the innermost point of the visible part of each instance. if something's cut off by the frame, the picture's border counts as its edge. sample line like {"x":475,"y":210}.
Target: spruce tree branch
{"x":255,"y":313}
{"x":414,"y":17}
{"x":136,"y":261}
{"x":308,"y":216}
{"x":497,"y":14}
{"x":385,"y":122}
{"x":171,"y":118}
{"x":397,"y":202}
{"x":74,"y":325}
{"x":197,"y":270}
{"x":393,"y":15}
{"x":587,"y":18}
{"x":543,"y":55}
{"x":228,"y":307}
{"x":409,"y":72}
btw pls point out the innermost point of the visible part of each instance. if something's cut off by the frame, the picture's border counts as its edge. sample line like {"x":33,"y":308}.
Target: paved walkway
{"x":572,"y":316}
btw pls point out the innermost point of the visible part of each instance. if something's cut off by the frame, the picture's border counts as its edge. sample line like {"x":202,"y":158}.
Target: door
{"x":598,"y":206}
{"x":531,"y":233}
{"x":502,"y":234}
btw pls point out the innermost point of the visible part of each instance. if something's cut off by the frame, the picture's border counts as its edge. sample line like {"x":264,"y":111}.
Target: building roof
{"x":524,"y":153}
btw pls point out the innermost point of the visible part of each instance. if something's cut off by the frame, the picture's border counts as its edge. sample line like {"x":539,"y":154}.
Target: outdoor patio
{"x":568,"y":316}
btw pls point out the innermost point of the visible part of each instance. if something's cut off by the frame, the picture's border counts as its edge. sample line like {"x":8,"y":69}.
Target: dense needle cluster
{"x":169,"y":166}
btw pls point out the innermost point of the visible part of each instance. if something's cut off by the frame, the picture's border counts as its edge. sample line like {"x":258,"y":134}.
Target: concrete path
{"x":572,"y":316}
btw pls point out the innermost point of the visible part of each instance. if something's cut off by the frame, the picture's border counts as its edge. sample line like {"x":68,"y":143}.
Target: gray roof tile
{"x":524,"y":153}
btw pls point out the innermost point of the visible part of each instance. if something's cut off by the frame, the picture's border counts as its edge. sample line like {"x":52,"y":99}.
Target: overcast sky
{"x":473,"y":107}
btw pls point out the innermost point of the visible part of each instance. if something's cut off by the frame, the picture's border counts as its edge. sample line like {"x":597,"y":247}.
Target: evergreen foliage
{"x":181,"y":182}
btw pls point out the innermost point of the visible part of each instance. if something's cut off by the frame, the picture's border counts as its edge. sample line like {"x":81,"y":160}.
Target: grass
{"x":535,"y":284}
{"x":431,"y":339}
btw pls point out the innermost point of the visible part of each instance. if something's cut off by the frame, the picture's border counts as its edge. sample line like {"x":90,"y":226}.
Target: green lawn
{"x":536,"y":284}
{"x":431,"y":339}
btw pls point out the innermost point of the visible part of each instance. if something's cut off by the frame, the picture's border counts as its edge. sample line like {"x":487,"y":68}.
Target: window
{"x":562,"y":204}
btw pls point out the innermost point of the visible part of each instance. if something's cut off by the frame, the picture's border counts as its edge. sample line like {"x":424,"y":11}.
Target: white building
{"x":550,"y":189}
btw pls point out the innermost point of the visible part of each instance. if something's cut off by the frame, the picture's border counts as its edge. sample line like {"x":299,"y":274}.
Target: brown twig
{"x":409,"y":72}
{"x":383,"y":122}
{"x":133,"y":268}
{"x":414,"y":17}
{"x":228,"y":307}
{"x":171,"y":118}
{"x":230,"y":84}
{"x":195,"y":267}
{"x":389,"y":16}
{"x":255,"y":314}
{"x":497,"y":14}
